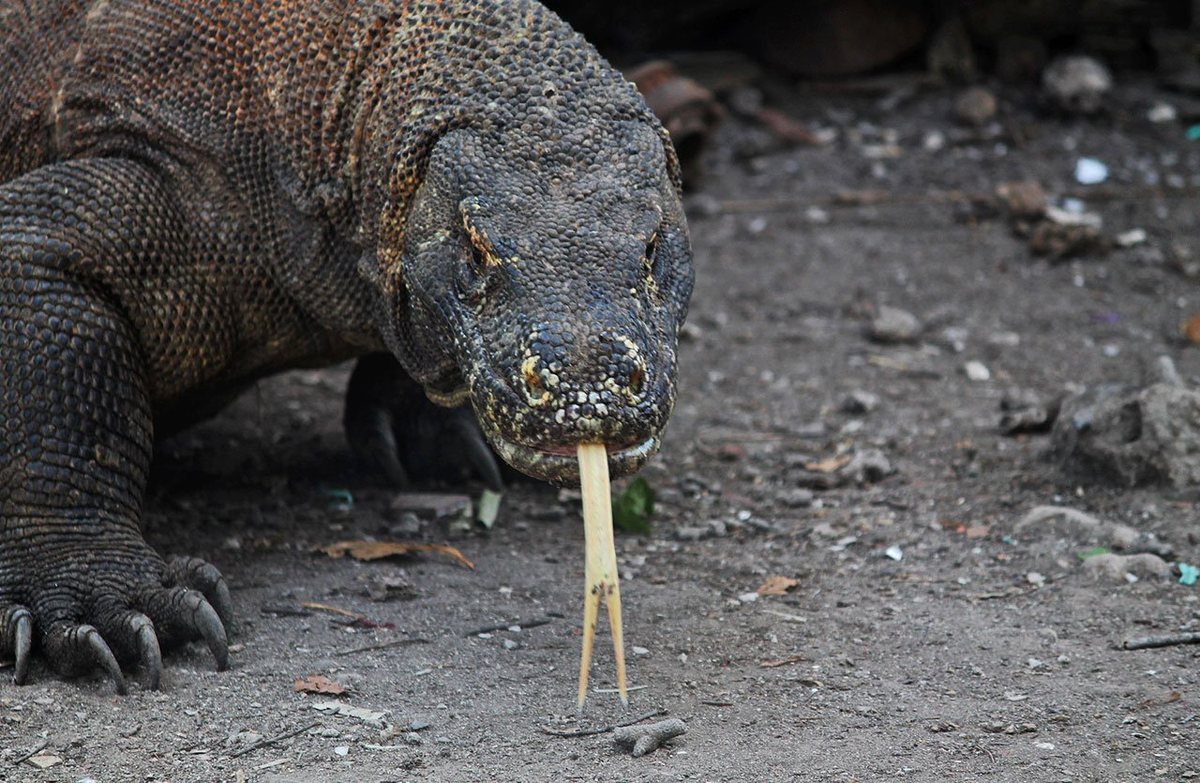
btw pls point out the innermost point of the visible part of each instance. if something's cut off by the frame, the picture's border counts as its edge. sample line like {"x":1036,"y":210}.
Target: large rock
{"x":1137,"y":436}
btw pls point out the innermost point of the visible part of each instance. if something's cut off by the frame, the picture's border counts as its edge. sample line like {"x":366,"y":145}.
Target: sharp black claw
{"x":222,"y":602}
{"x":479,"y":454}
{"x":22,"y":644}
{"x":381,"y":449}
{"x":208,"y":623}
{"x":103,"y":656}
{"x":148,"y":651}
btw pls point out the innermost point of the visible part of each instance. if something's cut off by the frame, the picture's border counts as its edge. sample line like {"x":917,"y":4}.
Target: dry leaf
{"x":776,"y":585}
{"x":319,"y":683}
{"x":374,"y":550}
{"x":828,"y":465}
{"x":780,"y":662}
{"x":1191,"y":329}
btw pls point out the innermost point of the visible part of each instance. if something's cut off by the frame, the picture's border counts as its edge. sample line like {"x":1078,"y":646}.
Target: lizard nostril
{"x":637,"y":379}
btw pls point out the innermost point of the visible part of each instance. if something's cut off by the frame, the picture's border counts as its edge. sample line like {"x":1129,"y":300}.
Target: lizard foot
{"x":395,"y":429}
{"x":111,"y":625}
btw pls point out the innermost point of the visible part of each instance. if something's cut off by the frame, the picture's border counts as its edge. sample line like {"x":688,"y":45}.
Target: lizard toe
{"x":181,"y":614}
{"x":16,"y":638}
{"x":369,"y":431}
{"x":75,"y":649}
{"x":132,"y":638}
{"x":202,"y":576}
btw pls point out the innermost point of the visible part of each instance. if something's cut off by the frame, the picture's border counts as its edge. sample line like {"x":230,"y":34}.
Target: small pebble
{"x":796,"y":498}
{"x":1090,"y":171}
{"x":639,"y":650}
{"x":1077,"y":83}
{"x":975,"y":106}
{"x":691,"y":533}
{"x":977,"y":371}
{"x":860,"y":401}
{"x":748,"y":598}
{"x":510,"y":644}
{"x":341,"y":750}
{"x":893,"y":325}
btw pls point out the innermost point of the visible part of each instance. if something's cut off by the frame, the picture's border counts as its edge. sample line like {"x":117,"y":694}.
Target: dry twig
{"x":262,"y":743}
{"x":1166,"y":640}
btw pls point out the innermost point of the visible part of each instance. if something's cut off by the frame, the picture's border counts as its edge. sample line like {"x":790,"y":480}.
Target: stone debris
{"x":1119,"y":568}
{"x":1077,"y":83}
{"x":1138,"y":436}
{"x":893,"y":325}
{"x":649,"y":737}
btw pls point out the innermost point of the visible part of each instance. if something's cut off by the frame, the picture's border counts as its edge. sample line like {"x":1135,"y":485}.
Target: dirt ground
{"x":986,"y":652}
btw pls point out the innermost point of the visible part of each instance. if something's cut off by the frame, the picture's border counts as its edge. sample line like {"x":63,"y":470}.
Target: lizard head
{"x":545,"y":277}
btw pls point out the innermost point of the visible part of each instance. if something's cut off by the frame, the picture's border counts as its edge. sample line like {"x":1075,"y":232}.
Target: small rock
{"x":1162,"y":111}
{"x":1064,"y":235}
{"x":894,"y":553}
{"x":646,"y":738}
{"x":1113,"y":567}
{"x":975,"y":106}
{"x":1077,"y":83}
{"x":867,"y":466}
{"x":691,"y":533}
{"x":1035,"y":579}
{"x":893,"y":325}
{"x":1023,"y":411}
{"x":859,"y":401}
{"x":409,"y":524}
{"x":639,"y":651}
{"x":511,"y":644}
{"x":413,"y":738}
{"x":977,"y":371}
{"x":718,"y":528}
{"x":1023,"y":198}
{"x":796,"y":498}
{"x":1130,"y":238}
{"x":341,"y":750}
{"x":1090,"y":171}
{"x":748,"y":598}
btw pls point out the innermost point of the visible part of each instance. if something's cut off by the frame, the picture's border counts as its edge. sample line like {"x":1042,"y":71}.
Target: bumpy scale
{"x":194,"y":195}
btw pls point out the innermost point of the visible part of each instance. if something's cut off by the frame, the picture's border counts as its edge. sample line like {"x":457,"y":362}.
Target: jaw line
{"x":563,"y":467}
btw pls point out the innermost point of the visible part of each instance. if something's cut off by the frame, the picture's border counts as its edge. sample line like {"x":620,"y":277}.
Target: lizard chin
{"x":559,"y":465}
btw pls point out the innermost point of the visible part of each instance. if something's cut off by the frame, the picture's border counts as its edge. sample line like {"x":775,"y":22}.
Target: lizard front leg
{"x":76,"y":576}
{"x":395,"y":429}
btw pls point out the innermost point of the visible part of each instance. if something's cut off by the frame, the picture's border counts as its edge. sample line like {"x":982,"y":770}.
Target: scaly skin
{"x":194,"y":195}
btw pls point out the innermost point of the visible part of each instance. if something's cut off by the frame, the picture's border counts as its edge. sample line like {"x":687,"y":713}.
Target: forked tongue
{"x":600,"y":573}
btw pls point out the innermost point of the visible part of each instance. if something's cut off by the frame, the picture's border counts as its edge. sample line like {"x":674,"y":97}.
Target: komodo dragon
{"x":197,"y":193}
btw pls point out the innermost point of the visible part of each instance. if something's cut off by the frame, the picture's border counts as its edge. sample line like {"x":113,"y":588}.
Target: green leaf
{"x":633,"y":507}
{"x":1096,"y":550}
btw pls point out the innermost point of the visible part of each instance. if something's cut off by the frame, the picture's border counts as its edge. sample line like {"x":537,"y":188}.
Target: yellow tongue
{"x":600,"y":574}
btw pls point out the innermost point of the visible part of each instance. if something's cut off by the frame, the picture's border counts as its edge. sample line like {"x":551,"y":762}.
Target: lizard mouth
{"x":560,"y":465}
